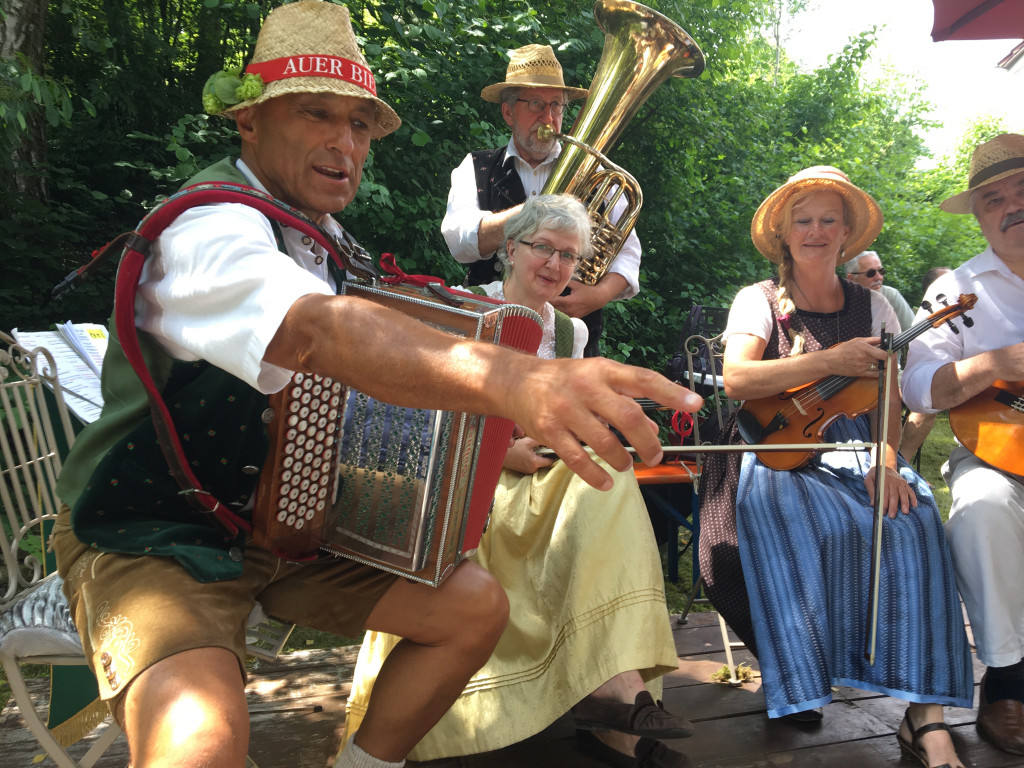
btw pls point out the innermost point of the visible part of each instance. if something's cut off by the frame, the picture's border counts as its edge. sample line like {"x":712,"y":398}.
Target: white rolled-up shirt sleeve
{"x":627,"y":264}
{"x":217,"y":289}
{"x":461,"y":227}
{"x":929,"y":352}
{"x":461,"y":223}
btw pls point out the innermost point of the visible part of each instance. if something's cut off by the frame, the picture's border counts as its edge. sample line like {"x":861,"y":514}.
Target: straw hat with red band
{"x":992,"y":161}
{"x":304,"y":47}
{"x":863,"y":216}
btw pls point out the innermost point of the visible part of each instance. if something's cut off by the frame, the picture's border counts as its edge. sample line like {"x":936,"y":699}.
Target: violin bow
{"x":881,"y":450}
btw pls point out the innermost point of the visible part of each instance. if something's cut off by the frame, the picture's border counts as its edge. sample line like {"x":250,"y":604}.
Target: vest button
{"x":235,"y":553}
{"x":267,"y":416}
{"x":307,"y":240}
{"x":249,"y":469}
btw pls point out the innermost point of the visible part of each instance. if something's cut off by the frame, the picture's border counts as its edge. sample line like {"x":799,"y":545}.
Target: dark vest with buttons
{"x":116,"y":479}
{"x":498,"y":188}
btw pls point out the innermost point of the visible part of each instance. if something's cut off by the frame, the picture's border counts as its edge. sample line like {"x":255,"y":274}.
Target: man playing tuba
{"x":491,"y":185}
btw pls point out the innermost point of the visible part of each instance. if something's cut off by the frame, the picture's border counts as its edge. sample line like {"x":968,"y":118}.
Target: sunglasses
{"x":871,"y":272}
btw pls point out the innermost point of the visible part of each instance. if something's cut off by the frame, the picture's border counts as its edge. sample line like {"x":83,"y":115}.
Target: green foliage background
{"x":117,"y":102}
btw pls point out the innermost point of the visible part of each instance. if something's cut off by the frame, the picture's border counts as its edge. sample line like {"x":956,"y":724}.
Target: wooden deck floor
{"x":298,"y":708}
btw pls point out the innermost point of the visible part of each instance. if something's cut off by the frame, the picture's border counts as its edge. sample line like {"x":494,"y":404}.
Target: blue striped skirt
{"x":805,"y":544}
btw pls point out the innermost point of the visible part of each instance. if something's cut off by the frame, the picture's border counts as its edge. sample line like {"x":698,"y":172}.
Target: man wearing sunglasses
{"x":491,"y":185}
{"x":866,"y":268}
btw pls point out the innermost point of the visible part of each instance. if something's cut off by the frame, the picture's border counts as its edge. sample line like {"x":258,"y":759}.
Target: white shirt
{"x":216,"y":287}
{"x":461,"y":223}
{"x":581,"y":333}
{"x":998,"y":319}
{"x":752,"y":314}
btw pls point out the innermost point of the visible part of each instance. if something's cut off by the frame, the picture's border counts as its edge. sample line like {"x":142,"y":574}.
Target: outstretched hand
{"x":570,"y":404}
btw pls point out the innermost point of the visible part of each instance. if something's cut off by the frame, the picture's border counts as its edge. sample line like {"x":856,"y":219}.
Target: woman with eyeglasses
{"x":581,"y":568}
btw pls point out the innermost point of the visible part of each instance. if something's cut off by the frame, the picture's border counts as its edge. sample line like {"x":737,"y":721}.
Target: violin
{"x":991,"y":425}
{"x":801,"y":415}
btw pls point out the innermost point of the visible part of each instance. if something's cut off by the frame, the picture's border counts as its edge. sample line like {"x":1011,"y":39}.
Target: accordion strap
{"x":346,"y":254}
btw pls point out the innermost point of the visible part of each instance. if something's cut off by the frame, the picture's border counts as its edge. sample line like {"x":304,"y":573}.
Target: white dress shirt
{"x":461,"y":223}
{"x":998,"y":321}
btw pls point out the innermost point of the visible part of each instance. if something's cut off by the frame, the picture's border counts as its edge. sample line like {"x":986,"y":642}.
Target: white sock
{"x":355,"y":757}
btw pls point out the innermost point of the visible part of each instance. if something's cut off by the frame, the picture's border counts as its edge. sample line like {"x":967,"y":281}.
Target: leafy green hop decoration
{"x":229,"y":87}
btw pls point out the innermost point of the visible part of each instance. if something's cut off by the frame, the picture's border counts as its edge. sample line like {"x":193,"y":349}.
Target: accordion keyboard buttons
{"x":314,"y":409}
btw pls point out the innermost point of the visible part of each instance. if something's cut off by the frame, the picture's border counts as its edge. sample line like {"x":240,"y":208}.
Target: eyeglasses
{"x":871,"y":272}
{"x":544,"y":251}
{"x":537,"y":105}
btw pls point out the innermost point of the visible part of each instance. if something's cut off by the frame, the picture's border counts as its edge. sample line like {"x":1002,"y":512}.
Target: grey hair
{"x":559,"y":213}
{"x":509,"y":96}
{"x":852,"y":264}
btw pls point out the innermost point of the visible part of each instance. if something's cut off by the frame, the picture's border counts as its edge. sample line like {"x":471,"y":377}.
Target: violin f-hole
{"x":807,"y":430}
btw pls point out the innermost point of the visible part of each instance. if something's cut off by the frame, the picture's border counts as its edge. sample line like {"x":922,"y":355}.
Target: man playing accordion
{"x":229,"y":306}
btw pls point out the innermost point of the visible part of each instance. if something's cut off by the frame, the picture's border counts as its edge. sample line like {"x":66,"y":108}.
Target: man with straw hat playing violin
{"x":229,"y":302}
{"x":490,"y":185}
{"x":946,"y":369}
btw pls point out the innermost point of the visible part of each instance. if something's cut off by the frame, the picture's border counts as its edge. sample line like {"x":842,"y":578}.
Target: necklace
{"x":810,"y":304}
{"x":839,"y":304}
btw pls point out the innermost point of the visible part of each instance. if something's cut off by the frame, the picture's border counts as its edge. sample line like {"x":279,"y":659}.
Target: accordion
{"x":402,"y":489}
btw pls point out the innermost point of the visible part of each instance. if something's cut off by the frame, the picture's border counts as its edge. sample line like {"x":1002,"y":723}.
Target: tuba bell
{"x":642,"y":49}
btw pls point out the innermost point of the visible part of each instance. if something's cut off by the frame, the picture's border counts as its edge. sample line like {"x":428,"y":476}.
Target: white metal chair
{"x":704,"y":365}
{"x":35,"y":620}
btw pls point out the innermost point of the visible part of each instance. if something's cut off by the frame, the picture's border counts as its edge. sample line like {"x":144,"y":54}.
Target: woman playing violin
{"x":786,"y":554}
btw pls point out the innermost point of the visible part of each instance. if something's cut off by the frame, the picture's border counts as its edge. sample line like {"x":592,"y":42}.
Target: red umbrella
{"x":978,"y":20}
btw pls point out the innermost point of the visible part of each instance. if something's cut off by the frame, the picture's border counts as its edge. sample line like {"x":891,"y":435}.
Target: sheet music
{"x":89,"y":340}
{"x":79,"y":382}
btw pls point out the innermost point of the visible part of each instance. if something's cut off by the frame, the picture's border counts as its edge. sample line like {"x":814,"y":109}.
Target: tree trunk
{"x":22,"y":30}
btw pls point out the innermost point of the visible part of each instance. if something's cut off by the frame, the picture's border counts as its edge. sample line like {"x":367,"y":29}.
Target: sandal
{"x":913,"y":749}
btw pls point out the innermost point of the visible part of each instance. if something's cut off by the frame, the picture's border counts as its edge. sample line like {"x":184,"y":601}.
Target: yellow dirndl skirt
{"x":586,"y":592}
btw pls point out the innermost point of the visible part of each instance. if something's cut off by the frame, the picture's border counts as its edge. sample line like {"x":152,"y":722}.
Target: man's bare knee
{"x":188,"y":709}
{"x":482,"y":602}
{"x":469,"y":609}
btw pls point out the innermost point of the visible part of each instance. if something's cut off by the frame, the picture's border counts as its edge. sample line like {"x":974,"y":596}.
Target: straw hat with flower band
{"x":863,"y":216}
{"x":303,"y":47}
{"x":532,"y":66}
{"x":992,"y":161}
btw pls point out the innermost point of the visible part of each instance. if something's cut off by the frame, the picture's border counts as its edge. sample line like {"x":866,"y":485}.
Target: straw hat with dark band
{"x":863,"y":216}
{"x":992,"y":161}
{"x":309,"y":47}
{"x":532,"y":66}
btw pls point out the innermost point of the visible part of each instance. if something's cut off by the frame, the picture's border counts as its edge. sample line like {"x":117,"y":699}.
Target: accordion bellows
{"x":406,"y":490}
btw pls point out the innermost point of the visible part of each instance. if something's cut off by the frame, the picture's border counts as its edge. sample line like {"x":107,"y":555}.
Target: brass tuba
{"x":642,"y":49}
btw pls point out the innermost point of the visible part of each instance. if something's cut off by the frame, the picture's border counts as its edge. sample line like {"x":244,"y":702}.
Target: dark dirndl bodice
{"x":719,"y":554}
